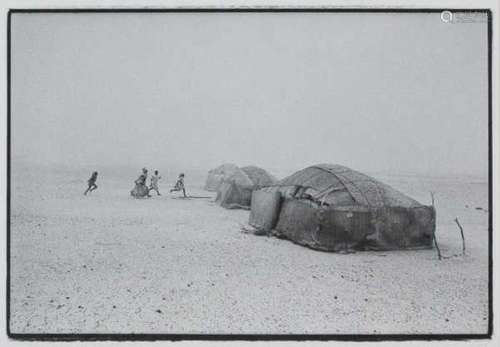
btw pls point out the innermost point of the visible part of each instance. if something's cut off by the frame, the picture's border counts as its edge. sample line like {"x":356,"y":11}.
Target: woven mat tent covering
{"x":216,"y":176}
{"x":334,"y":208}
{"x":259,"y":176}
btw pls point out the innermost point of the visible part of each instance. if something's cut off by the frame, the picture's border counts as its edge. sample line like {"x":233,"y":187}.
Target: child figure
{"x":179,"y":185}
{"x":141,"y":190}
{"x":91,"y":182}
{"x":154,"y":182}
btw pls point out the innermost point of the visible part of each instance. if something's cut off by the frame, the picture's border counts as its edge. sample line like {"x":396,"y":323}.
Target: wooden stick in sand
{"x":437,"y":247}
{"x":434,"y":233}
{"x":462,"y":234}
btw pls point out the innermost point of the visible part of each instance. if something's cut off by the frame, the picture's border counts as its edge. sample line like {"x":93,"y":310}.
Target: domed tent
{"x":259,"y":176}
{"x":236,"y":190}
{"x":334,"y":208}
{"x":217,"y":175}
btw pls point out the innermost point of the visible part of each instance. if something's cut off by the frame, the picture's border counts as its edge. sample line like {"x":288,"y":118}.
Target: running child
{"x":91,"y":182}
{"x":179,"y":185}
{"x":154,"y":182}
{"x":141,"y":189}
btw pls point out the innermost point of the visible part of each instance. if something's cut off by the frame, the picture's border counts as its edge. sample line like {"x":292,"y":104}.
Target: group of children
{"x":141,"y":189}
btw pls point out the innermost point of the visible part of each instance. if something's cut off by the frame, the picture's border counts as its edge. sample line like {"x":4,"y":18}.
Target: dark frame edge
{"x":254,"y":9}
{"x":243,"y":337}
{"x":490,"y":172}
{"x":9,"y":13}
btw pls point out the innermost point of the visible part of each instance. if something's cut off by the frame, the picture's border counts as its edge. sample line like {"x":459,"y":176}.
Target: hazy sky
{"x":391,"y":92}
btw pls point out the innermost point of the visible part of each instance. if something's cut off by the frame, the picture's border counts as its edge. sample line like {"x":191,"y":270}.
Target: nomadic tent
{"x":334,"y":208}
{"x":236,"y":191}
{"x":217,"y":175}
{"x":259,"y":176}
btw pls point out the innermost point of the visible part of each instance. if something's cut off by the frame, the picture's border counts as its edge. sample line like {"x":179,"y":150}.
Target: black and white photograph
{"x":249,"y":173}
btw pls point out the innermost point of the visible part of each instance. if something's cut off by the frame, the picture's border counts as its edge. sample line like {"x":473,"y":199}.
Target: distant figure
{"x":154,"y":182}
{"x":141,"y":190}
{"x":91,"y":182}
{"x":179,"y":185}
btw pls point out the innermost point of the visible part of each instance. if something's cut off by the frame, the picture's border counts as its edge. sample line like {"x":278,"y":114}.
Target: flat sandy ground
{"x":108,"y":263}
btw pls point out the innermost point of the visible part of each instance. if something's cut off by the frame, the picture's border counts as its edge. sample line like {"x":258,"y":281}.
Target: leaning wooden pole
{"x":434,"y":232}
{"x":461,"y":233}
{"x":437,"y":247}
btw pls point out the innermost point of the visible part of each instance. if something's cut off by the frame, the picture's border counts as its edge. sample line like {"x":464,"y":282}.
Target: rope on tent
{"x":343,"y":181}
{"x":326,"y":192}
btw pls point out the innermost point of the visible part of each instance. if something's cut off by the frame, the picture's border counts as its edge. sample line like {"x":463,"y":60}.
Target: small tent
{"x":217,"y":175}
{"x":259,"y":176}
{"x":334,"y":208}
{"x":236,"y":190}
